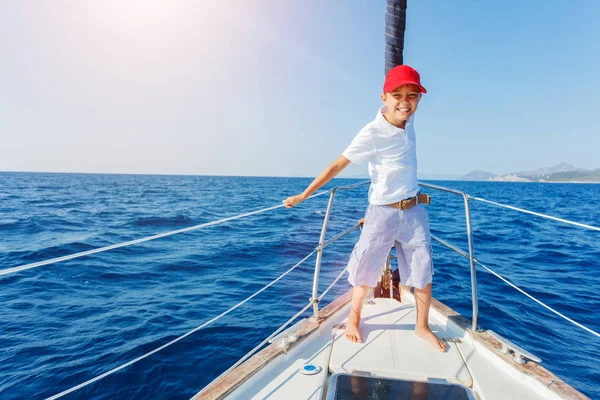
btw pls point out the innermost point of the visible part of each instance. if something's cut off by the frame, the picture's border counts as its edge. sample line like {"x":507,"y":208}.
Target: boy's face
{"x":402,"y":102}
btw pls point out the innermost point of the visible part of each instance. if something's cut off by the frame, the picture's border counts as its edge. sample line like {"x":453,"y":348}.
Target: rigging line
{"x":462,"y":253}
{"x":448,"y":245}
{"x":272,"y":335}
{"x":341,"y":235}
{"x":538,"y":214}
{"x":539,"y":302}
{"x":332,"y":283}
{"x":144,"y":239}
{"x":61,"y":394}
{"x":278,"y":330}
{"x":330,"y":241}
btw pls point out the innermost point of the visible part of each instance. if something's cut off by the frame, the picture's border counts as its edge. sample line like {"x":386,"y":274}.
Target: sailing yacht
{"x":313,"y":360}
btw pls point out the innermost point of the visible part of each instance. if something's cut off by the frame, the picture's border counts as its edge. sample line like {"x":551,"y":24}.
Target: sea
{"x":66,"y":323}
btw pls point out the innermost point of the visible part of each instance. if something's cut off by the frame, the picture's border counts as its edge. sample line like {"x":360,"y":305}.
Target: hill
{"x":477,"y":176}
{"x":559,"y":173}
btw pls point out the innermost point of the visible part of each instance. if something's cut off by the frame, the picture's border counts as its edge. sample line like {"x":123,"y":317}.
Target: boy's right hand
{"x":293,"y":200}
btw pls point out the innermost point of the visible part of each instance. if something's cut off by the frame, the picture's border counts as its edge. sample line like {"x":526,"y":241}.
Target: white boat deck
{"x":391,"y":349}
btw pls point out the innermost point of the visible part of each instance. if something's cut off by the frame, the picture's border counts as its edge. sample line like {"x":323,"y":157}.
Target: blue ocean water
{"x":63,"y":324}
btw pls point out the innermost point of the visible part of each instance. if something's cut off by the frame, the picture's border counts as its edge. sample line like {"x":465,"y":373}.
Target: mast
{"x":395,"y":25}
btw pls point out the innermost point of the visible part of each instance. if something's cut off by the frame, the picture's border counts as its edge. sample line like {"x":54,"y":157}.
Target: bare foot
{"x":437,"y":343}
{"x":352,"y":332}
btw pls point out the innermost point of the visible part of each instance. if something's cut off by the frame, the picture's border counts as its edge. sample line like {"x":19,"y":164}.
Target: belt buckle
{"x":401,"y":205}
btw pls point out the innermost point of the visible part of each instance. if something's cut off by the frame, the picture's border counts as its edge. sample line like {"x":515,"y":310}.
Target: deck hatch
{"x":355,"y":387}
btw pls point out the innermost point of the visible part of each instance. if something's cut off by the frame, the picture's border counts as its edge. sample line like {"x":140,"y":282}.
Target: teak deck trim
{"x":228,"y":382}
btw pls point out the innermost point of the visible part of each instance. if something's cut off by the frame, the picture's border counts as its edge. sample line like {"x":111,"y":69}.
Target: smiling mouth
{"x":403,"y":109}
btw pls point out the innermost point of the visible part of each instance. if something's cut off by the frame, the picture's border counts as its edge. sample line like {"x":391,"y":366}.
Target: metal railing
{"x":315,"y":299}
{"x":322,"y":244}
{"x":470,"y":255}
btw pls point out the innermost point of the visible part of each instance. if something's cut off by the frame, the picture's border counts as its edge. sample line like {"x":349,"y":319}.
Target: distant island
{"x":559,"y":173}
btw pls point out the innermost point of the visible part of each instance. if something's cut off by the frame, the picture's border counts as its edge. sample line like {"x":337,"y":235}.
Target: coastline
{"x":587,"y":182}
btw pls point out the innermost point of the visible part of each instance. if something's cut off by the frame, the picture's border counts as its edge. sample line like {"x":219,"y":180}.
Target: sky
{"x":280,"y":88}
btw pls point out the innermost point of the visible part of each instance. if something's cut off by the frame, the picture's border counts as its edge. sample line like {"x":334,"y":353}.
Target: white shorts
{"x":385,"y":227}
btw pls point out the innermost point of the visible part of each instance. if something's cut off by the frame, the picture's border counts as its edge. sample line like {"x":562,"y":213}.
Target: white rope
{"x":448,"y":245}
{"x":272,"y":335}
{"x":341,"y":235}
{"x":462,"y":253}
{"x":144,"y":239}
{"x":330,"y":241}
{"x":180,"y":337}
{"x":332,"y":283}
{"x":522,"y":291}
{"x":539,"y":302}
{"x":538,"y":214}
{"x":241,"y":360}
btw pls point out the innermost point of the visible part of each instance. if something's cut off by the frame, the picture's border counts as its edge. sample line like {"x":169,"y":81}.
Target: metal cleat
{"x":452,"y":340}
{"x":508,"y":346}
{"x":288,"y":336}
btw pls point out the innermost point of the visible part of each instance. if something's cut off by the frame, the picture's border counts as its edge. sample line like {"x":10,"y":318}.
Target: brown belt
{"x":411,"y":202}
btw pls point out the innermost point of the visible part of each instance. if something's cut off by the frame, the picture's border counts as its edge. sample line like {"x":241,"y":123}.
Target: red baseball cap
{"x":402,"y":75}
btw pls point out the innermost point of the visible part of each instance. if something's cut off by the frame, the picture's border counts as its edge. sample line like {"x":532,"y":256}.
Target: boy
{"x":394,"y":216}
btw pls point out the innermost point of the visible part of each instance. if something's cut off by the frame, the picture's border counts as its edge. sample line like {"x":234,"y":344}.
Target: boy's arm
{"x":328,"y":174}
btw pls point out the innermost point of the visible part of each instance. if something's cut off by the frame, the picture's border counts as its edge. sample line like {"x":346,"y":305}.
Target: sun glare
{"x":125,"y":13}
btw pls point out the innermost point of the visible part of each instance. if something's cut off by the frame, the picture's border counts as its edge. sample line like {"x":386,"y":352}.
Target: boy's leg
{"x":423,"y":300}
{"x":368,"y":257}
{"x":358,"y":297}
{"x":416,"y":269}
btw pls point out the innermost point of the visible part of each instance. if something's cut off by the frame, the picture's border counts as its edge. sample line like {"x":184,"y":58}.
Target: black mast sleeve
{"x":395,"y":25}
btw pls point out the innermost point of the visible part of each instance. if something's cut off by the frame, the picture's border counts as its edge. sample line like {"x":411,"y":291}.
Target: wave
{"x":111,"y":307}
{"x":55,"y":251}
{"x":179,"y":220}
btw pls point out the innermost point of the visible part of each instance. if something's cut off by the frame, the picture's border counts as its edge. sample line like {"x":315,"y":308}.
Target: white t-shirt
{"x":392,"y":156}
